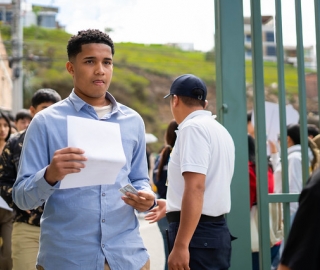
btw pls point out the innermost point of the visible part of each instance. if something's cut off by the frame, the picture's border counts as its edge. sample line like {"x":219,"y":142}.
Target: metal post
{"x":17,"y":53}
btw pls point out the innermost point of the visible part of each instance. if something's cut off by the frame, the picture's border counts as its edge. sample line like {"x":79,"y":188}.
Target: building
{"x":268,"y":38}
{"x":290,"y":56}
{"x":269,"y":46}
{"x":5,"y":80}
{"x":6,"y":13}
{"x":43,"y":16}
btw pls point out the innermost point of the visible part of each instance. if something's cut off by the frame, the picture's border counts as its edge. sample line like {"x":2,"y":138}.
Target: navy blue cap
{"x":188,"y":85}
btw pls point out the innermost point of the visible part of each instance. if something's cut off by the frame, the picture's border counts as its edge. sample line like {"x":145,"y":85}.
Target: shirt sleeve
{"x":139,"y":175}
{"x":194,"y":150}
{"x":295,"y":175}
{"x":31,"y":189}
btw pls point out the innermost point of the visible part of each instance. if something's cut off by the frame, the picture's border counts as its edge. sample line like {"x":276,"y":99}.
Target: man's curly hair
{"x":86,"y":37}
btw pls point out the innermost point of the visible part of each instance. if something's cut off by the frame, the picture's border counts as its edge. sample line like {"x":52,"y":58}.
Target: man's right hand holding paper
{"x":64,"y":161}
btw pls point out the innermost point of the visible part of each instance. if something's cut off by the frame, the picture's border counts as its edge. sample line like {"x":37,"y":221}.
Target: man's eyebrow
{"x":93,"y":57}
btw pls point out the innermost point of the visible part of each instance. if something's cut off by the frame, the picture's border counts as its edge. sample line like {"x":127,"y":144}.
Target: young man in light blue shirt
{"x":91,"y":227}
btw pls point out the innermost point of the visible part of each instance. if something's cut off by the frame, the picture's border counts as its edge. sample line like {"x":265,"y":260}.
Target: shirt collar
{"x":78,"y":103}
{"x":193,"y":115}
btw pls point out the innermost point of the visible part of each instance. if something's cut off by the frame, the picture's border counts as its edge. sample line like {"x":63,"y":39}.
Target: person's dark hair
{"x":252,"y":152}
{"x":293,"y":131}
{"x":251,"y":149}
{"x":170,"y":137}
{"x":10,"y":116}
{"x":249,"y":116}
{"x":312,"y":130}
{"x":190,"y":102}
{"x":23,"y":114}
{"x":44,"y":95}
{"x":86,"y":37}
{"x":6,"y":118}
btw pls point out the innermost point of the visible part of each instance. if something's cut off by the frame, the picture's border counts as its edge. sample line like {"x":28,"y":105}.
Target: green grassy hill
{"x":142,"y":73}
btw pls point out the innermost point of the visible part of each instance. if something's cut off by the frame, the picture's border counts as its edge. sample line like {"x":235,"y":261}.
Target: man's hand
{"x":141,"y":202}
{"x":158,"y":212}
{"x":179,"y":258}
{"x":283,"y":267}
{"x":64,"y":161}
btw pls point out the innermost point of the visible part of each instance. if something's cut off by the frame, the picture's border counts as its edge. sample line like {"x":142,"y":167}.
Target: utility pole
{"x":17,"y":55}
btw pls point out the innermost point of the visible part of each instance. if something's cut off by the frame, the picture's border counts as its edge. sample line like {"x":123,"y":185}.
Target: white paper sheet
{"x":273,"y":119}
{"x":4,"y":205}
{"x":103,"y":148}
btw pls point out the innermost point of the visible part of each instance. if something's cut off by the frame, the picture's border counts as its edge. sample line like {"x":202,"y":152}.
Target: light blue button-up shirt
{"x":82,"y":227}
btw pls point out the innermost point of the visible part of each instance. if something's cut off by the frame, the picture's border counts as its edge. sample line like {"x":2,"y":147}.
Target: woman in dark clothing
{"x":160,"y":177}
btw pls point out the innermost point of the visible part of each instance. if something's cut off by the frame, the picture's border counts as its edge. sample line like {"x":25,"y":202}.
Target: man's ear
{"x":69,"y":67}
{"x":206,"y":104}
{"x":175,"y":100}
{"x":32,"y":110}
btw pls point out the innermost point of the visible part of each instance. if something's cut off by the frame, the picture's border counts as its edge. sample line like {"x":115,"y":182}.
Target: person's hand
{"x":283,"y":267}
{"x":64,"y":161}
{"x":141,"y":202}
{"x":273,"y":147}
{"x":179,"y":258}
{"x":158,"y":212}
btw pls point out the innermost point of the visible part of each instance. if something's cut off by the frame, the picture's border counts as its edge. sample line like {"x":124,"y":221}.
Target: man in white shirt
{"x":199,"y":176}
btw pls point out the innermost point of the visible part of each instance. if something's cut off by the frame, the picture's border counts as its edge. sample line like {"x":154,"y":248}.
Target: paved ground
{"x":153,"y":241}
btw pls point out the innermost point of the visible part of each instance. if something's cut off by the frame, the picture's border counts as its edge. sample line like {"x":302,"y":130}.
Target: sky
{"x":168,"y":21}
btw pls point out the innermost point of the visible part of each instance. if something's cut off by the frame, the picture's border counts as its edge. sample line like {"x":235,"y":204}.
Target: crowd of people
{"x":94,"y":226}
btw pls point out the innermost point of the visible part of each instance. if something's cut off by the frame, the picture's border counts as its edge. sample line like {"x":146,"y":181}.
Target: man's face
{"x":92,"y":72}
{"x":22,"y":124}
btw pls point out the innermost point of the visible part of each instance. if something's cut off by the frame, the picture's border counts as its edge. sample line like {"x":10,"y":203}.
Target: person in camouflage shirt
{"x":26,"y":223}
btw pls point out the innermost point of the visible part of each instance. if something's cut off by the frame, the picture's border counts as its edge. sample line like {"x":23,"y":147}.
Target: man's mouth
{"x":99,"y":82}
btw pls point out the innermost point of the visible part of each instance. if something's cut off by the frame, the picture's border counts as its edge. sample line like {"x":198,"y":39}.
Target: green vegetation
{"x":45,"y":58}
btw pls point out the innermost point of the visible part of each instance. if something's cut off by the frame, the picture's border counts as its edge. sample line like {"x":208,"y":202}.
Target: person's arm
{"x":274,"y":155}
{"x":38,"y":170}
{"x":139,"y":175}
{"x":191,"y":208}
{"x":8,"y":173}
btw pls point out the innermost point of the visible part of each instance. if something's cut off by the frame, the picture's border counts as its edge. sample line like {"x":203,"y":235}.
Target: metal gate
{"x":232,"y":112}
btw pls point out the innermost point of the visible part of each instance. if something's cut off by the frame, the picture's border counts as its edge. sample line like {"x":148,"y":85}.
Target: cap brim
{"x":167,"y":95}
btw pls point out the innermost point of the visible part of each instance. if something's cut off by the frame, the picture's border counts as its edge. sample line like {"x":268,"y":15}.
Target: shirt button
{"x":103,"y":220}
{"x":42,"y":200}
{"x":103,"y":194}
{"x":205,"y":244}
{"x":103,"y":246}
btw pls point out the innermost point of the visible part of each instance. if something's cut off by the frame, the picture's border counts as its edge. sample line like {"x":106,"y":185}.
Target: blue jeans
{"x":163,"y":226}
{"x":210,"y":246}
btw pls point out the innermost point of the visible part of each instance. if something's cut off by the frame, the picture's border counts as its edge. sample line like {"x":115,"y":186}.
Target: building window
{"x":269,"y":36}
{"x":248,"y":52}
{"x":47,"y":21}
{"x":7,"y":16}
{"x":271,"y":51}
{"x":248,"y":38}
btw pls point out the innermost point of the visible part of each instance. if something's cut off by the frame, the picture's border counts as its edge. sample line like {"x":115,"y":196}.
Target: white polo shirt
{"x":203,"y":146}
